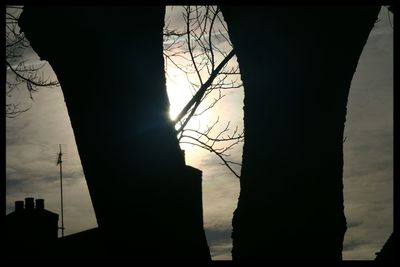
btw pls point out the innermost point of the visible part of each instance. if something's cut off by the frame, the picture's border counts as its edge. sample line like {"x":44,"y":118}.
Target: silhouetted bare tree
{"x":147,"y":201}
{"x":21,"y":74}
{"x":202,"y":51}
{"x":198,"y":50}
{"x":296,"y":65}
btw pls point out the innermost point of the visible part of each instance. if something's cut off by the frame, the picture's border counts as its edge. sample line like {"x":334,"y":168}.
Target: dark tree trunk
{"x":296,"y":65}
{"x":109,"y":62}
{"x":388,"y":252}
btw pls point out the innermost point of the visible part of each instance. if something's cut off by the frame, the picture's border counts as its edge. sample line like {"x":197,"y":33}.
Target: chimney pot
{"x":19,"y":205}
{"x":29,"y":205}
{"x":39,"y":204}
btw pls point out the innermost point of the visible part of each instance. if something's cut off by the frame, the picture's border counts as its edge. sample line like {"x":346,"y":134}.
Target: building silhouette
{"x":31,"y":228}
{"x":34,"y":230}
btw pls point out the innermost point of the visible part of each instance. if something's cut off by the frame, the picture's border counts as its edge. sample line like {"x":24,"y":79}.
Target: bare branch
{"x":20,"y":73}
{"x":188,"y":32}
{"x":209,"y":148}
{"x":13,"y":110}
{"x":204,"y":87}
{"x":31,"y":81}
{"x":203,"y":59}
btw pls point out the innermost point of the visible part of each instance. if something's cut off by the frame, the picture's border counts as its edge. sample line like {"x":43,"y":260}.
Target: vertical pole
{"x":62,"y":204}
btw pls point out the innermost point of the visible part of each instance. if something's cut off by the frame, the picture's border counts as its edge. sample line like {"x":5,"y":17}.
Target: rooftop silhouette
{"x":31,"y":228}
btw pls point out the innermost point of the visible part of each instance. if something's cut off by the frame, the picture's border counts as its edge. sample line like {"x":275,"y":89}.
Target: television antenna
{"x":59,"y":162}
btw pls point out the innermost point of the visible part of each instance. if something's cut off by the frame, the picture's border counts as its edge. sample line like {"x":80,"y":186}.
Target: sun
{"x":179,"y":95}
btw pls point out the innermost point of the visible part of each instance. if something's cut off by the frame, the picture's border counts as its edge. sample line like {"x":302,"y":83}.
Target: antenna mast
{"x":59,"y":162}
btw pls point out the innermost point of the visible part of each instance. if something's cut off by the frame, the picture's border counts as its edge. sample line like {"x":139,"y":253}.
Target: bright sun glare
{"x":179,"y":94}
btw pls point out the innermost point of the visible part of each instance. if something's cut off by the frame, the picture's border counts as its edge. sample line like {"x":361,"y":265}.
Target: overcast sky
{"x":32,"y":144}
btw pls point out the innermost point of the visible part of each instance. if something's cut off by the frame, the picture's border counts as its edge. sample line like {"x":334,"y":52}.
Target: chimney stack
{"x":29,"y":205}
{"x":19,"y":205}
{"x":39,"y":204}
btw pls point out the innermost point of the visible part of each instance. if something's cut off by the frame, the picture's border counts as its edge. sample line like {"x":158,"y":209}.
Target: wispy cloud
{"x":32,"y":144}
{"x":368,"y":150}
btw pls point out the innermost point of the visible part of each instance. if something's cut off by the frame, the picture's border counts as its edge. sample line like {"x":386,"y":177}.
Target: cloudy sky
{"x":32,"y":145}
